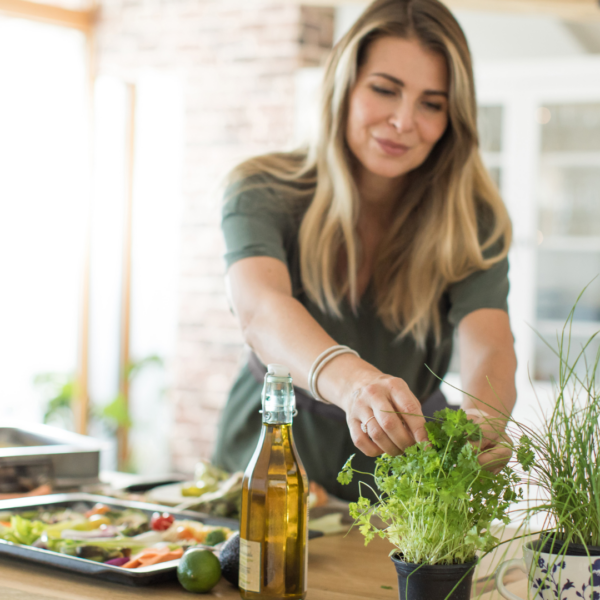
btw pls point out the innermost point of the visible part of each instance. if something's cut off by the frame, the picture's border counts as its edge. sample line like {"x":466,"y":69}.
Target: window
{"x":44,"y":188}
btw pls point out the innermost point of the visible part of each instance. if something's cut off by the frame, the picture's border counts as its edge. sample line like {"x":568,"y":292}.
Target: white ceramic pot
{"x":554,"y":577}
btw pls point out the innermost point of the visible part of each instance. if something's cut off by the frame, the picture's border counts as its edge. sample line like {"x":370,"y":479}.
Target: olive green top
{"x":263,"y":222}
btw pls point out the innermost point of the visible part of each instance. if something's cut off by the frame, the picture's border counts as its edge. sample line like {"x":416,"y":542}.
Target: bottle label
{"x":250,"y":565}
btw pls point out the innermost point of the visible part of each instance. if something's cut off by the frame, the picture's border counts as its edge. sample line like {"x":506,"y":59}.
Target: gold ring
{"x":363,"y":426}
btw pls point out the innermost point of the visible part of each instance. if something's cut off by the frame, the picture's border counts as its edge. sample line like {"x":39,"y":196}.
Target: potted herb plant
{"x":564,"y":562}
{"x":438,"y":504}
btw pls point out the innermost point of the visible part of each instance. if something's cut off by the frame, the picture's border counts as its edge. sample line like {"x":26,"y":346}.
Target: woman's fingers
{"x":495,"y":458}
{"x":495,"y":445}
{"x":378,"y":441}
{"x":389,"y":431}
{"x":392,"y":405}
{"x":377,"y":430}
{"x":362,"y":440}
{"x":408,"y":409}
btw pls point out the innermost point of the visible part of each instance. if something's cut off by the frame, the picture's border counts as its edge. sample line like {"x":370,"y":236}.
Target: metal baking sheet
{"x":138,"y":577}
{"x":74,"y":458}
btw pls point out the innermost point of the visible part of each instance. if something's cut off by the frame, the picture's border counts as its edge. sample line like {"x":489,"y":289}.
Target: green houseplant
{"x":438,"y":504}
{"x":565,"y":561}
{"x":58,"y":391}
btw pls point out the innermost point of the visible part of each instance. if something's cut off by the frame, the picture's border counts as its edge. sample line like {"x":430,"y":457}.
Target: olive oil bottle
{"x":273,"y":529}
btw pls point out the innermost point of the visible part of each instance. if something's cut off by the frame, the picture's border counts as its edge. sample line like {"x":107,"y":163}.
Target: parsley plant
{"x":436,"y":500}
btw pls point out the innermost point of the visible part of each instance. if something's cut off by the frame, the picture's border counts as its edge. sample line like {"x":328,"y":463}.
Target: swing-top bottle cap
{"x":278,"y":370}
{"x":278,"y":398}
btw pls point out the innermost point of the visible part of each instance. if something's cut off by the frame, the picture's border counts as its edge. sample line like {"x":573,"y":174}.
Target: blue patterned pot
{"x":554,"y":577}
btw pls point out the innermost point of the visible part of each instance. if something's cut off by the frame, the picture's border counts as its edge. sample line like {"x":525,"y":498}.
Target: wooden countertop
{"x":340,"y":568}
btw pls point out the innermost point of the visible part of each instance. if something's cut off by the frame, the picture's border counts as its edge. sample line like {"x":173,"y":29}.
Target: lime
{"x":198,"y":570}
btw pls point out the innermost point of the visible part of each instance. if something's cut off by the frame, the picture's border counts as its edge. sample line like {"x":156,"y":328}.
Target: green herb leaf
{"x":345,"y":475}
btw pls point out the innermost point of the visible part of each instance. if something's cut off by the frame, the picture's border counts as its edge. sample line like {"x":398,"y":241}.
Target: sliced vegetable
{"x":94,"y":553}
{"x":99,"y":520}
{"x":117,"y":562}
{"x":55,"y":531}
{"x":99,"y":509}
{"x":153,"y":556}
{"x":132,"y":522}
{"x":105,"y":531}
{"x":23,"y":531}
{"x":185,"y":532}
{"x":215,"y":537}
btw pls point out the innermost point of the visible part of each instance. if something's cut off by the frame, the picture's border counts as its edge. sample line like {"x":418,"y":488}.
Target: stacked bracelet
{"x":320,"y":362}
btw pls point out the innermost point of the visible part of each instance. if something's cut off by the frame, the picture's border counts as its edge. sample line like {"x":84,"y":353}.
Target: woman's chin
{"x":385,"y":172}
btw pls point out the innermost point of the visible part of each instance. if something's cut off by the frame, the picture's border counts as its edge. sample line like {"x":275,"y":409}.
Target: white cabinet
{"x":548,"y":165}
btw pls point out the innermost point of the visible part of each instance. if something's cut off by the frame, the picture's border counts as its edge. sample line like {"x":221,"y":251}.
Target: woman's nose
{"x":403,"y":118}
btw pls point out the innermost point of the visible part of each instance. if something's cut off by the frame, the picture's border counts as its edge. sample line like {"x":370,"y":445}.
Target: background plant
{"x":566,"y":446}
{"x":436,"y":500}
{"x":58,"y":391}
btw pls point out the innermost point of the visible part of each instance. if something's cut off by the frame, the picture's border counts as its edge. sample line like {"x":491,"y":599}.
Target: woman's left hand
{"x":496,"y":446}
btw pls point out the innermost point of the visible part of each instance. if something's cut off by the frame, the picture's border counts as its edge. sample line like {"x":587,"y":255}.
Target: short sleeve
{"x":254,"y":223}
{"x":482,"y":289}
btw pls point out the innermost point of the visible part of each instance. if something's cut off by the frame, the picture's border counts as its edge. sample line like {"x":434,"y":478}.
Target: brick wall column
{"x":237,"y":60}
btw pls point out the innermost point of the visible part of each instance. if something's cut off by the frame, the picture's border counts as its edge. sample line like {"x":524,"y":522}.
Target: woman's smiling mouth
{"x":392,"y":148}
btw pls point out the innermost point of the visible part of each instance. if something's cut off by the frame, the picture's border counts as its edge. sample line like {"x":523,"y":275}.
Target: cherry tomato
{"x":161,"y":522}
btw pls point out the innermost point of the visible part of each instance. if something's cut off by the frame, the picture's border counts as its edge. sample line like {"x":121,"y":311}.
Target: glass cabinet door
{"x":568,"y":236}
{"x":490,"y":140}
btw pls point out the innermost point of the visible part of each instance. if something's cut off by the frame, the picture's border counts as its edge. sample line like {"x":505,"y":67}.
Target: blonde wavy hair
{"x":435,"y":237}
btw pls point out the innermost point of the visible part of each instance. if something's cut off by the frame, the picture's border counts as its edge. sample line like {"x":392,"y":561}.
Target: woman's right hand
{"x":390,"y":411}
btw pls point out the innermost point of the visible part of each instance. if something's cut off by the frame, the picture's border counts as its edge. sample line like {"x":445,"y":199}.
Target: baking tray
{"x":138,"y":577}
{"x":73,"y":459}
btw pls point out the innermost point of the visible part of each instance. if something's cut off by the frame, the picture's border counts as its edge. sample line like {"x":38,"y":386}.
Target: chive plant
{"x":566,"y":466}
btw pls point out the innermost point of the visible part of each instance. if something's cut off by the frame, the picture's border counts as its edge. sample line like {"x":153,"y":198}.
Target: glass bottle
{"x":273,"y":528}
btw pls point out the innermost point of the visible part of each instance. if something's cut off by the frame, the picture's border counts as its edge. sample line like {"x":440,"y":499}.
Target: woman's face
{"x":398,"y":108}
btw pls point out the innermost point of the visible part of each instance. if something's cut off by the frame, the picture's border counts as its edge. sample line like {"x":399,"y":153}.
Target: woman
{"x":384,"y":236}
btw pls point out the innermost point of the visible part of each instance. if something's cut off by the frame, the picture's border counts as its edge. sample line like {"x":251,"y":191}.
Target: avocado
{"x":230,"y":559}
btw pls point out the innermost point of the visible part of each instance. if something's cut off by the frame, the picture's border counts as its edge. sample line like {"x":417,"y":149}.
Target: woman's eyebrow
{"x":400,"y":83}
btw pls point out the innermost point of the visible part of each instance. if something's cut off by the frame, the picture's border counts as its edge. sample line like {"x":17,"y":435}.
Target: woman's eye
{"x":433,"y":106}
{"x":382,"y":91}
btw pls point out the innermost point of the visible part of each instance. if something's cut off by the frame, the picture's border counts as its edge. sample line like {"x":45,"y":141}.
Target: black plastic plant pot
{"x":433,"y":582}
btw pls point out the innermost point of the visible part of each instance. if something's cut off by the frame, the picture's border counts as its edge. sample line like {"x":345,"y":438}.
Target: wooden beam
{"x":81,"y":400}
{"x":83,"y":20}
{"x":125,"y":333}
{"x":571,"y":10}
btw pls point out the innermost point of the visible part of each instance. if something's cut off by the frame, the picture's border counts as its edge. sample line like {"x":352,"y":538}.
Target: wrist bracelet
{"x":320,"y":363}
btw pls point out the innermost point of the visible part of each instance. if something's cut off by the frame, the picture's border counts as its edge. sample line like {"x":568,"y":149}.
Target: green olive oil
{"x":273,"y":529}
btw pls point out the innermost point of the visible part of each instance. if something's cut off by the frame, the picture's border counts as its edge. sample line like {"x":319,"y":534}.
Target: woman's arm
{"x":279,"y":329}
{"x":487,"y":368}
